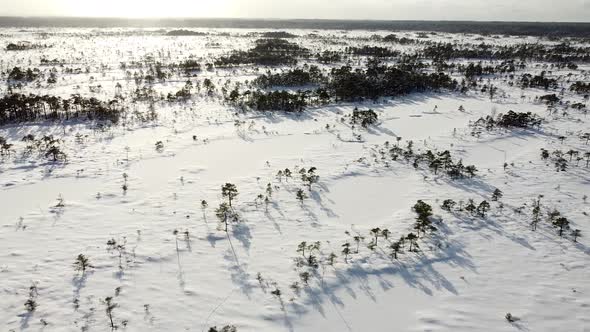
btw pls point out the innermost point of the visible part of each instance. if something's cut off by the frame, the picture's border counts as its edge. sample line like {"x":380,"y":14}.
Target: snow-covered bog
{"x":191,"y":210}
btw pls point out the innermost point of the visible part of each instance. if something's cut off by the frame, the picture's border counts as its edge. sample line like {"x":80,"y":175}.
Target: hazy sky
{"x":508,"y":10}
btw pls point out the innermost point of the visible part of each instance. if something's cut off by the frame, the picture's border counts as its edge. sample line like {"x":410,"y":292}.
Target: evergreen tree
{"x":82,"y":263}
{"x":497,"y":195}
{"x":483,"y":207}
{"x":230,"y":191}
{"x":562,"y":223}
{"x":448,"y":205}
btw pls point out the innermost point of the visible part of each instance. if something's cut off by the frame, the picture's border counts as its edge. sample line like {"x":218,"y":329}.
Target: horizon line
{"x":162,"y":18}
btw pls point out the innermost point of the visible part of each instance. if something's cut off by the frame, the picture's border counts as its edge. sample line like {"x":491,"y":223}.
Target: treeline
{"x":580,"y":87}
{"x":293,"y":77}
{"x":375,"y":51}
{"x":15,"y":108}
{"x":391,"y":38}
{"x":28,"y":75}
{"x":552,"y":53}
{"x":340,"y":84}
{"x":478,"y":69}
{"x":538,"y":81}
{"x":379,"y":80}
{"x":266,"y":52}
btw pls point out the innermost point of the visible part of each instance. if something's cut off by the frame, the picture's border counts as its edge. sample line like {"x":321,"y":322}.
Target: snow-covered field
{"x":176,"y":269}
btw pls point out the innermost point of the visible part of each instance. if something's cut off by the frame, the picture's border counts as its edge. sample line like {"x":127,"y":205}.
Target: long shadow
{"x":79,"y":282}
{"x":238,"y":275}
{"x":241,"y":232}
{"x":416,"y":270}
{"x":315,"y":195}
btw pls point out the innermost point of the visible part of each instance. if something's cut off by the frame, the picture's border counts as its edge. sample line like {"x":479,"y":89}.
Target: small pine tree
{"x":223,"y":214}
{"x":448,"y":205}
{"x":230,"y":191}
{"x":109,"y":307}
{"x":301,"y":195}
{"x":413,"y":240}
{"x":497,"y":195}
{"x":576,"y":233}
{"x":82,"y":263}
{"x":346,"y":251}
{"x":395,"y":249}
{"x":483,"y":207}
{"x":562,"y":223}
{"x":471,"y":208}
{"x":305,"y":277}
{"x":376,"y":232}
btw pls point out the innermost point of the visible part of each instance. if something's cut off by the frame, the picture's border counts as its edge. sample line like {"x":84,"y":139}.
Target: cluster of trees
{"x":16,"y":108}
{"x":23,"y":46}
{"x":54,"y":62}
{"x":549,"y":99}
{"x":278,"y":34}
{"x":562,"y":224}
{"x":183,"y":32}
{"x":509,"y":120}
{"x":477,"y":69}
{"x":392,"y":38}
{"x":538,"y":81}
{"x":364,"y":118}
{"x":580,"y":87}
{"x":293,"y":77}
{"x":447,"y":51}
{"x":273,"y":100}
{"x":375,"y":51}
{"x":343,"y":83}
{"x":378,"y":80}
{"x":561,"y":160}
{"x":266,"y":52}
{"x":226,"y":328}
{"x":554,"y":218}
{"x":28,"y":75}
{"x":182,"y":94}
{"x":562,"y":53}
{"x":46,"y":146}
{"x":190,"y":66}
{"x":422,"y":226}
{"x":478,"y":210}
{"x":434,"y":161}
{"x":326,"y":57}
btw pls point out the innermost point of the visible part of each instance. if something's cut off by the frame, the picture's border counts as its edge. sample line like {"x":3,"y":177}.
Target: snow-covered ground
{"x":467,"y":275}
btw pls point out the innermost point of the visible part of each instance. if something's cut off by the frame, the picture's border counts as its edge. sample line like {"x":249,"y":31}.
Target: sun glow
{"x":151,"y":8}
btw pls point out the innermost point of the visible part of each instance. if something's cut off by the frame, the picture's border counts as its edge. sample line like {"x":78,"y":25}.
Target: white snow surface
{"x":466,"y":277}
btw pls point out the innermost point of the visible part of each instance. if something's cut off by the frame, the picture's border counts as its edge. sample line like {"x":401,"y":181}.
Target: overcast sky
{"x":506,"y":10}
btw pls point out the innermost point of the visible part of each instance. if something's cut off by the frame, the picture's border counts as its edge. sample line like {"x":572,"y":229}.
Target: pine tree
{"x":109,"y":307}
{"x":223,"y":214}
{"x":395,"y":248}
{"x":483,"y":207}
{"x":230,"y":191}
{"x":576,"y":233}
{"x":376,"y":233}
{"x":562,"y":223}
{"x":413,"y":240}
{"x":497,"y":195}
{"x":346,"y":251}
{"x":448,"y":205}
{"x":82,"y":263}
{"x":471,"y":208}
{"x":536,"y":214}
{"x":301,"y":195}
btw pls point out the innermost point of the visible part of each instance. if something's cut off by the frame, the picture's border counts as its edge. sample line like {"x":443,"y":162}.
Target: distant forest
{"x":503,"y":28}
